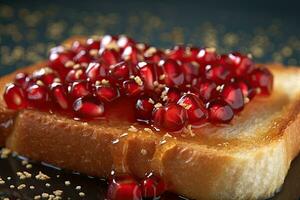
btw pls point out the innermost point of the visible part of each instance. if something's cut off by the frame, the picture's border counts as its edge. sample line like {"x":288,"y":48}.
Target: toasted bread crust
{"x":233,"y":169}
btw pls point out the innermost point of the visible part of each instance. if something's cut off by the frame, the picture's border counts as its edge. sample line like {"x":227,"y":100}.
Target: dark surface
{"x":268,"y":29}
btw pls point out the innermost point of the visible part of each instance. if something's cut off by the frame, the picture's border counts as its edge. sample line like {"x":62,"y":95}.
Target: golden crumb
{"x":105,"y":82}
{"x":93,"y":52}
{"x":76,"y":66}
{"x":42,"y":176}
{"x":148,"y":130}
{"x":69,"y":63}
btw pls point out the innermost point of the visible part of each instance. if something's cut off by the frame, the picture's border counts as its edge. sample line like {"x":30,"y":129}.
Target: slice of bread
{"x":246,"y":159}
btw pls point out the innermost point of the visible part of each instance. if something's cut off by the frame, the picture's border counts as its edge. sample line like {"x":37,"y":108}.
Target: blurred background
{"x":268,"y":29}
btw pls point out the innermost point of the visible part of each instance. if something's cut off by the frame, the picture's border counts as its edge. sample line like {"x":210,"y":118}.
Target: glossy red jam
{"x":168,"y":89}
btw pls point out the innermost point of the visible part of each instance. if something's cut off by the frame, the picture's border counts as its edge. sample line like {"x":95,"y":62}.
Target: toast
{"x":246,"y":159}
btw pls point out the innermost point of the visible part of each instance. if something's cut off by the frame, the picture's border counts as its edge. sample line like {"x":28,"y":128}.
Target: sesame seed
{"x":78,"y":187}
{"x":58,"y":192}
{"x":132,"y":129}
{"x":21,"y":187}
{"x":45,"y":195}
{"x":157,"y":105}
{"x":144,"y":152}
{"x":37,"y":197}
{"x":47,"y":184}
{"x":11,"y":186}
{"x":5,"y":153}
{"x":42,"y":176}
{"x":28,"y":166}
{"x":32,"y":187}
{"x":151,"y":101}
{"x":148,"y":130}
{"x":67,"y":183}
{"x":82,"y":194}
{"x":138,"y":80}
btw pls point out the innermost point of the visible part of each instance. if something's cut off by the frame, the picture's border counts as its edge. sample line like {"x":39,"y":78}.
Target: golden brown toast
{"x":246,"y":159}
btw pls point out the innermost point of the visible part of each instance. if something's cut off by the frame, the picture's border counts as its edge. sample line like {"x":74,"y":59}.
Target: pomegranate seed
{"x":206,"y":90}
{"x":171,"y":117}
{"x":92,"y":44}
{"x":107,"y":93}
{"x":153,"y":55}
{"x":120,"y":71}
{"x":109,"y":56}
{"x":170,"y":95}
{"x":207,"y":56}
{"x":95,"y":71}
{"x":14,"y":97}
{"x":243,"y":64}
{"x":83,"y":57}
{"x":48,"y":79}
{"x":88,"y":107}
{"x":132,"y":88}
{"x":57,"y":60}
{"x":233,"y":95}
{"x":125,"y":41}
{"x":79,"y":89}
{"x":59,"y":94}
{"x":75,"y":75}
{"x":263,"y":79}
{"x":191,"y":71}
{"x":21,"y":79}
{"x":219,"y":74}
{"x":173,"y":73}
{"x":177,"y":53}
{"x":38,"y":96}
{"x":148,"y":73}
{"x":247,"y":89}
{"x":152,"y":187}
{"x":77,"y":47}
{"x":219,"y":111}
{"x":143,"y":108}
{"x":196,"y":111}
{"x":124,"y":188}
{"x":108,"y":40}
{"x":130,"y":53}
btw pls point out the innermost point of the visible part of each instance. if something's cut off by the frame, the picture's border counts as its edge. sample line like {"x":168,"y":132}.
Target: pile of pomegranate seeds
{"x":172,"y":88}
{"x":125,"y":187}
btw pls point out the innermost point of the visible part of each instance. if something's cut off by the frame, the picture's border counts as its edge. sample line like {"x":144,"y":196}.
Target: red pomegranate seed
{"x":148,"y":73}
{"x":143,"y":108}
{"x":130,"y":53}
{"x":263,"y":79}
{"x":233,"y":95}
{"x":14,"y":97}
{"x":38,"y":96}
{"x":206,"y":90}
{"x":171,"y":117}
{"x":79,"y":89}
{"x":152,"y":187}
{"x":247,"y":89}
{"x":243,"y":64}
{"x":92,"y":44}
{"x":172,"y":71}
{"x":153,"y":55}
{"x":107,"y":93}
{"x":75,"y":75}
{"x":95,"y":71}
{"x":77,"y":47}
{"x":124,"y":41}
{"x":177,"y":53}
{"x":124,"y":188}
{"x":219,"y":111}
{"x":21,"y":79}
{"x":57,"y":60}
{"x":171,"y":95}
{"x":191,"y":71}
{"x":219,"y":74}
{"x":48,"y":79}
{"x":108,"y":40}
{"x":59,"y":94}
{"x":88,"y":107}
{"x":109,"y":56}
{"x":83,"y":57}
{"x":119,"y":71}
{"x":207,"y":56}
{"x":195,"y":108}
{"x":132,"y":88}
